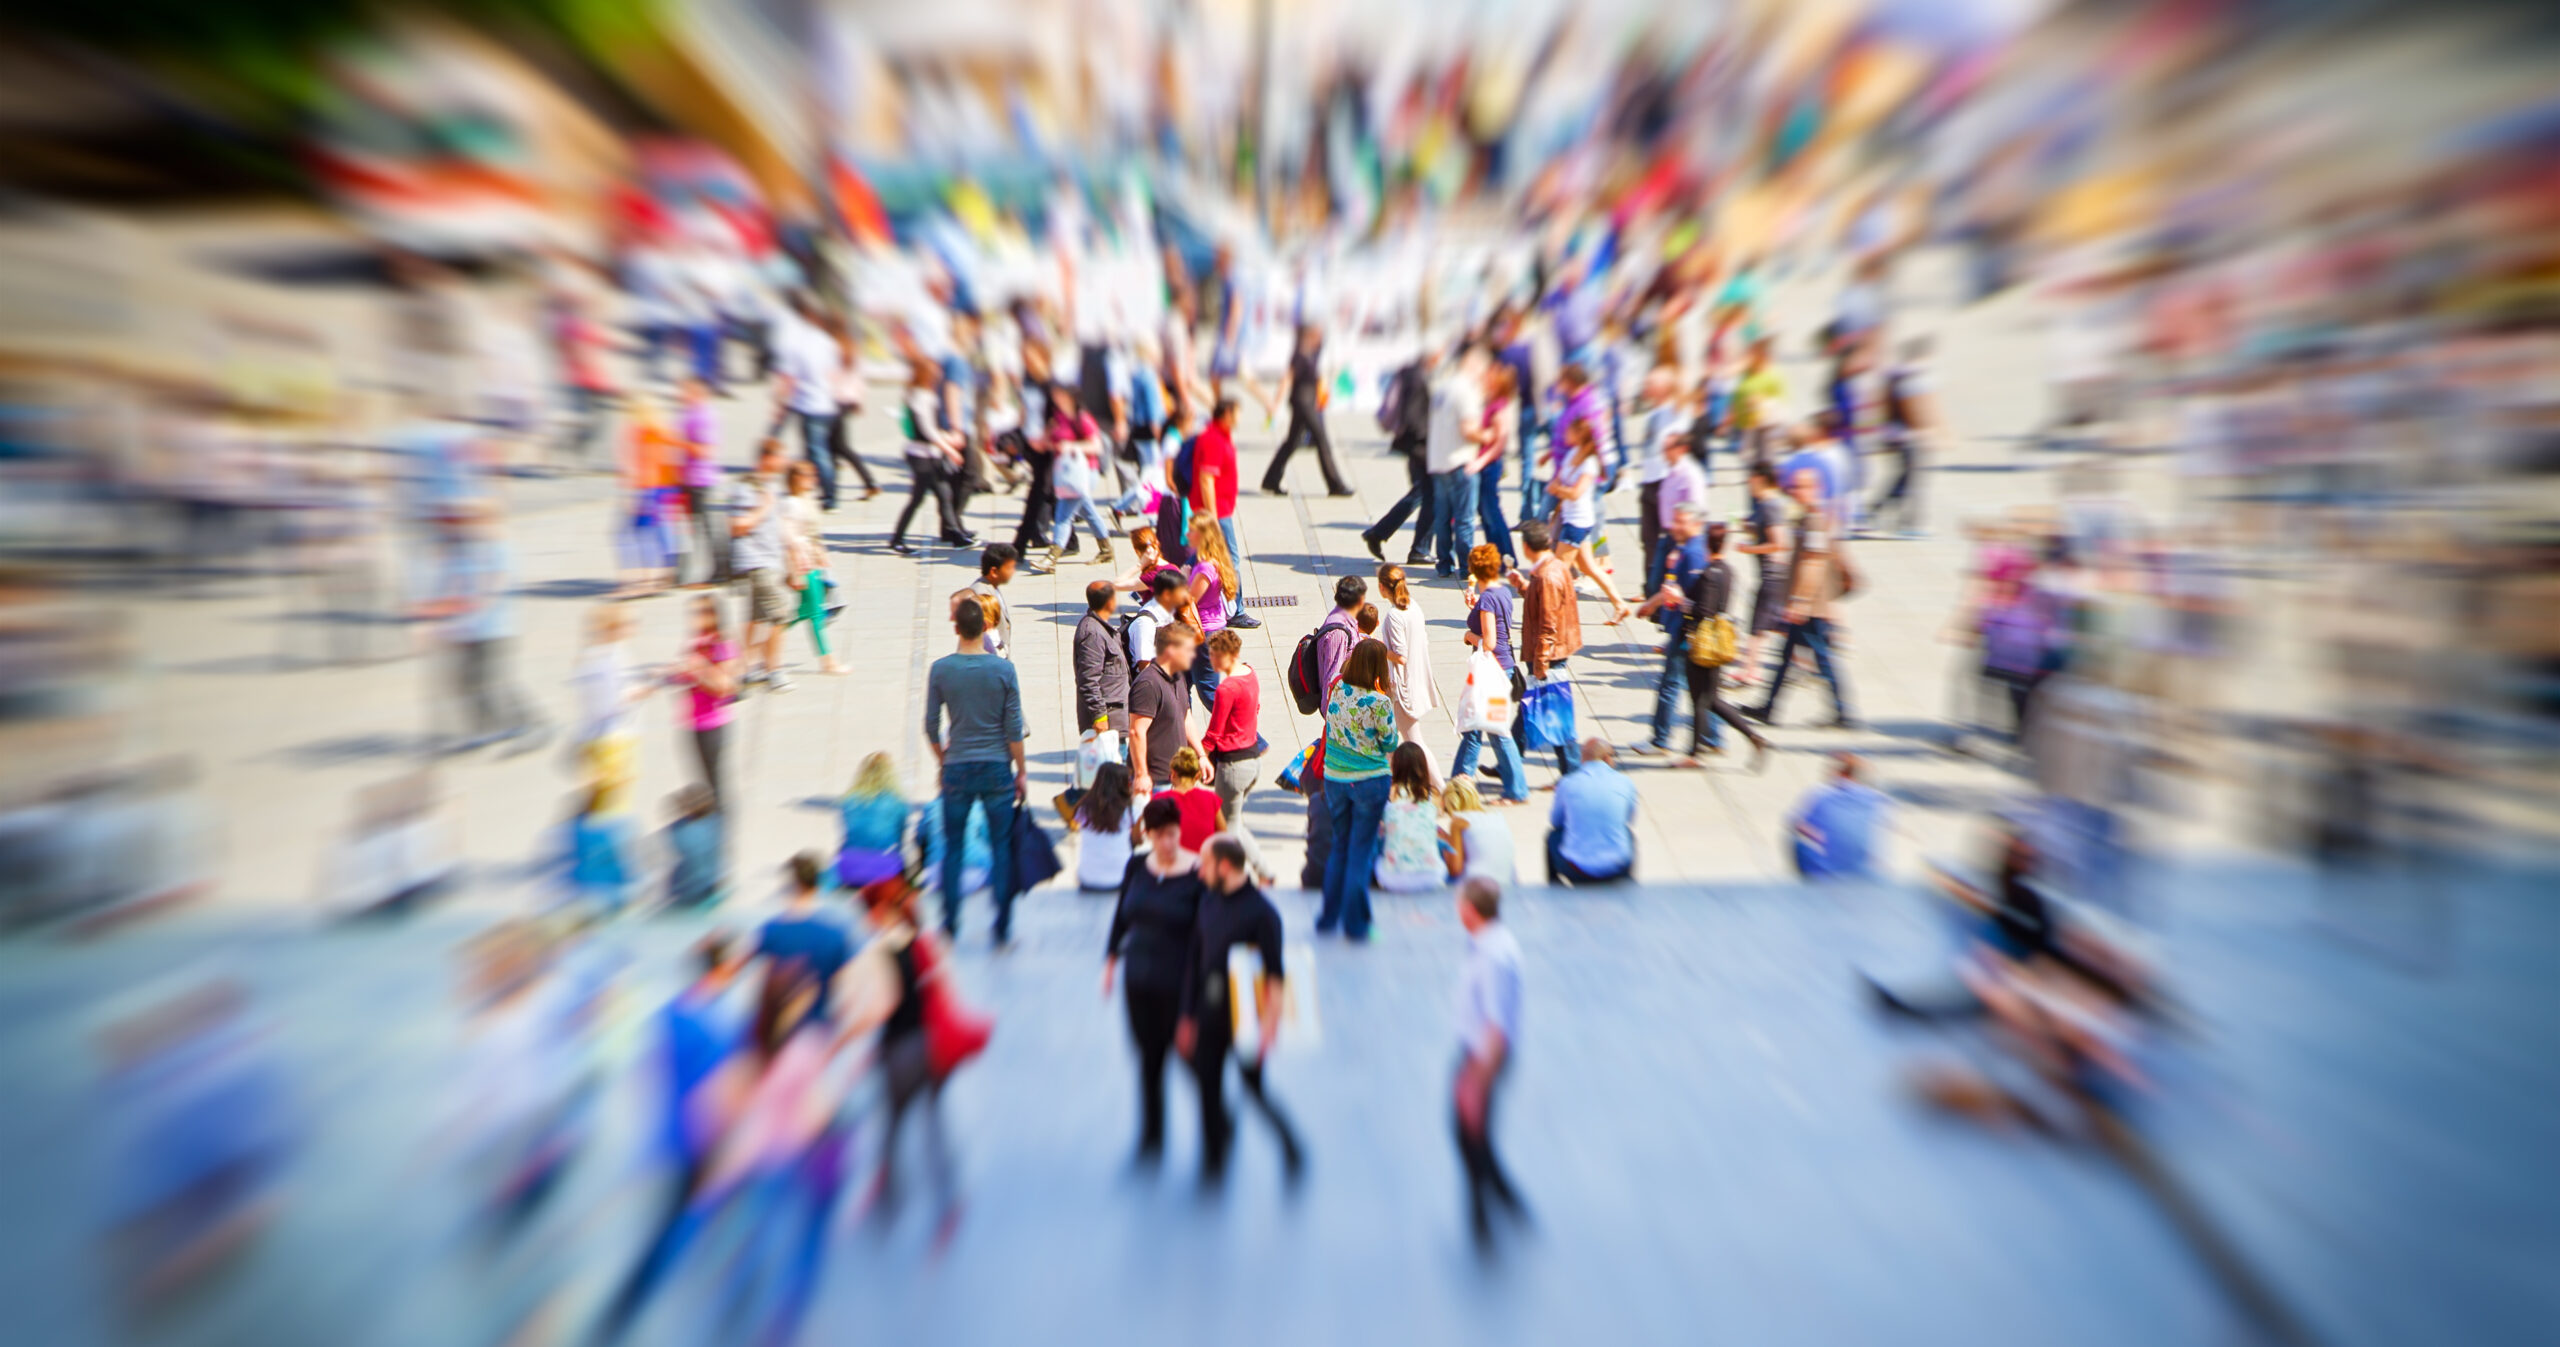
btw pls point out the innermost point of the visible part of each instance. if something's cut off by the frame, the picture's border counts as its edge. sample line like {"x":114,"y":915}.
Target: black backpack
{"x":1306,"y":670}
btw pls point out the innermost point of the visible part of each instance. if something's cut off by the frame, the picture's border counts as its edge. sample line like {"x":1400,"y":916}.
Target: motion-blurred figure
{"x":198,"y":1111}
{"x":1489,"y":1000}
{"x":1835,"y":828}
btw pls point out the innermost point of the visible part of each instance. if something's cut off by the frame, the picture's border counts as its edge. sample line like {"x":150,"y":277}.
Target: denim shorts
{"x":1574,"y":535}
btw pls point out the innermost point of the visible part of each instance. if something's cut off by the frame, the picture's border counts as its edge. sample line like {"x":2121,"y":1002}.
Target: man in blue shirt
{"x":803,"y":935}
{"x":1835,"y":827}
{"x":702,"y":1033}
{"x":1591,"y":836}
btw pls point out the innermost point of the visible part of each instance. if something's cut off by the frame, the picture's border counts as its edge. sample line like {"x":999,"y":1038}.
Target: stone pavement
{"x":282,"y":745}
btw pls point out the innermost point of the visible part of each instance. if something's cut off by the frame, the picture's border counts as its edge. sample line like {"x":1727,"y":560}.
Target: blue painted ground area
{"x":1708,"y":1117}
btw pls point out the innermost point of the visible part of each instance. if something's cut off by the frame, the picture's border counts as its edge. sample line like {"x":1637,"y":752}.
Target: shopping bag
{"x":954,"y":1031}
{"x":1300,"y":1029}
{"x":1035,"y":857}
{"x":1097,"y":747}
{"x":1072,"y":476}
{"x":1547,"y":709}
{"x":1305,"y":770}
{"x":1485,"y":703}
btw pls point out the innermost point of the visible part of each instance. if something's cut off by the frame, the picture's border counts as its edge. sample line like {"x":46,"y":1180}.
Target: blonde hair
{"x":878,"y":775}
{"x":1460,"y":797}
{"x":1186,"y":763}
{"x":1209,"y":542}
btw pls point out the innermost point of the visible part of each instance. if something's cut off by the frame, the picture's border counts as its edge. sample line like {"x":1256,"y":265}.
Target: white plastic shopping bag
{"x":1299,"y":1028}
{"x":1094,"y":749}
{"x":1485,"y":704}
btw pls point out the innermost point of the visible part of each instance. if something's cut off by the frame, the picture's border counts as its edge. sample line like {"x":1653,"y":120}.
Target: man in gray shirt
{"x":982,"y":762}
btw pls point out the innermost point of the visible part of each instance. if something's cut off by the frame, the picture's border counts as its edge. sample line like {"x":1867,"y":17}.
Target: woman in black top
{"x":1707,"y":597}
{"x":1152,"y":933}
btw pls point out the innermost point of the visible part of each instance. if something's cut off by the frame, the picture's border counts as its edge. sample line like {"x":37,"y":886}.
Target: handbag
{"x":1485,"y":703}
{"x":1035,"y":857}
{"x":954,"y":1031}
{"x":1547,"y":711}
{"x":1713,"y":643}
{"x":1073,"y":476}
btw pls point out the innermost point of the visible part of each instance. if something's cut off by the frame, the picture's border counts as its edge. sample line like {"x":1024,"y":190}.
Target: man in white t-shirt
{"x":1458,"y":435}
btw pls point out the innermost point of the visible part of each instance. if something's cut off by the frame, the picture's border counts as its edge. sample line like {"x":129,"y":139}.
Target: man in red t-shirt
{"x":1213,"y":491}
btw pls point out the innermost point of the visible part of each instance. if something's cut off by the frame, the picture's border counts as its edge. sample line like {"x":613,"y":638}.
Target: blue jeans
{"x":1814,"y":633}
{"x":1453,"y":520}
{"x":705,"y":341}
{"x":1489,"y":511}
{"x":1533,"y":497}
{"x":817,"y":431}
{"x":1235,"y":553}
{"x":1506,"y":760}
{"x":987,"y":784}
{"x":1069,"y":509}
{"x":1355,"y":809}
{"x":1671,"y":692}
{"x":1205,"y":681}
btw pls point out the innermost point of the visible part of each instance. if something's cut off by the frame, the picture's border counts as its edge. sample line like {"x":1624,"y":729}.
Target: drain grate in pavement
{"x":1270,"y":601}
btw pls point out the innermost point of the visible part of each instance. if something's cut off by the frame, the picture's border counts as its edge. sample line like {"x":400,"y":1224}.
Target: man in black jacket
{"x":1232,"y":912}
{"x":1411,"y":438}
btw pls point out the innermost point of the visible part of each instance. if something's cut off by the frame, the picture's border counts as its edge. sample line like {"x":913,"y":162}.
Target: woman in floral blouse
{"x":1359,"y":736}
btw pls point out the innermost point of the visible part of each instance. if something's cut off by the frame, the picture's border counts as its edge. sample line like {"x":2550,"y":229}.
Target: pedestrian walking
{"x":1212,"y":492}
{"x":933,"y":461}
{"x":1306,"y":417}
{"x":760,"y":558}
{"x":1818,"y":575}
{"x":1409,"y":436}
{"x":1233,"y":912}
{"x":708,"y":671}
{"x":1489,"y":1003}
{"x":1492,"y":612}
{"x":1461,"y":436}
{"x":806,"y":363}
{"x":805,"y":535}
{"x":847,"y":389}
{"x":1152,"y":930}
{"x":1550,"y":624}
{"x":1704,"y":607}
{"x":1076,"y":478}
{"x":981,"y":761}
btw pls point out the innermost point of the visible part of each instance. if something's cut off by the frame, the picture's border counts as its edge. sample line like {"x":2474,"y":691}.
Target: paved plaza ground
{"x":1709,"y":1116}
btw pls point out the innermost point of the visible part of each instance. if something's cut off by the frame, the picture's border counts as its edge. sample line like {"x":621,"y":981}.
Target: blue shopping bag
{"x":1035,"y":857}
{"x":1546,"y":713}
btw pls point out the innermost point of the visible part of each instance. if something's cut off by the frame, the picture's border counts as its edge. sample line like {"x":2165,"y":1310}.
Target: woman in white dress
{"x":1408,"y":643}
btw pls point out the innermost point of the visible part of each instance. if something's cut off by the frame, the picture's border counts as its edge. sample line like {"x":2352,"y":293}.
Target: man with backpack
{"x":1314,"y":667}
{"x":1205,"y":472}
{"x":1406,"y":417}
{"x":1317,"y":663}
